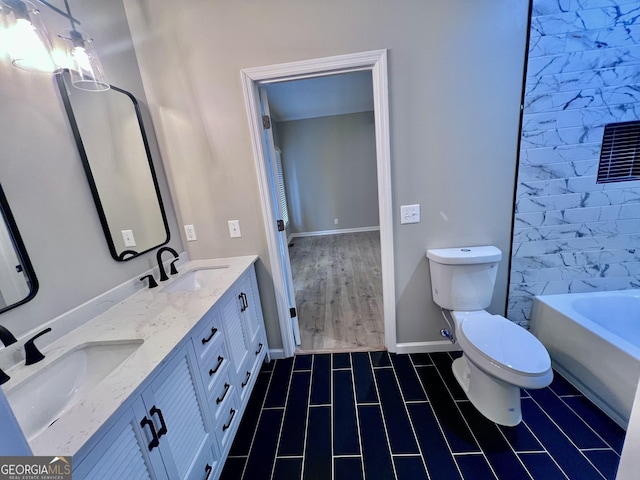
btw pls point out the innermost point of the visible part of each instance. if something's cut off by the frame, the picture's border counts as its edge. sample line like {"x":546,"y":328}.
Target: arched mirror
{"x":18,"y":282}
{"x":114,"y":150}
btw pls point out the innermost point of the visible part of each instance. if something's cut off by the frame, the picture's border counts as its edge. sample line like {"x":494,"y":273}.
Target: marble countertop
{"x":160,"y":319}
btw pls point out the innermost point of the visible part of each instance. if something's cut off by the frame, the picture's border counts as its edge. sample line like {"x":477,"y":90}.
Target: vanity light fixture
{"x":25,"y":37}
{"x":30,"y":46}
{"x":85,"y":66}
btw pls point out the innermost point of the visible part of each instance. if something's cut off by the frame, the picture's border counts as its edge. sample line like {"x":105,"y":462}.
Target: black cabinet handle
{"x":214,"y":370}
{"x":259,"y":348}
{"x":224,"y":394}
{"x":228,"y":424}
{"x":243,"y":299}
{"x":154,"y":442}
{"x":208,"y":469}
{"x":213,"y":332}
{"x":246,"y":380}
{"x":163,"y":426}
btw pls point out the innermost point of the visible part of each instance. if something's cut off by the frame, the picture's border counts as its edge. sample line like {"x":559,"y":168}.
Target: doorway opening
{"x":325,"y":154}
{"x":264,"y":152}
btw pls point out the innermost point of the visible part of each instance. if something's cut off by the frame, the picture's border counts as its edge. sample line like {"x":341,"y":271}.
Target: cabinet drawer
{"x":213,"y":368}
{"x":205,"y":465}
{"x":206,"y":338}
{"x":228,"y":420}
{"x":223,"y":389}
{"x":247,"y":378}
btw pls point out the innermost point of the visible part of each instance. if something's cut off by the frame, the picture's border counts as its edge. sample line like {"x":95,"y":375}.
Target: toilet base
{"x":497,"y":400}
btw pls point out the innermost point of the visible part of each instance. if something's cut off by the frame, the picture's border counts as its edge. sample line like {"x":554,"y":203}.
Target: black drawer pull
{"x":163,"y":426}
{"x":219,"y":400}
{"x":213,"y":332}
{"x":228,"y":424}
{"x":154,"y":442}
{"x":246,"y":380}
{"x":259,"y":348}
{"x":214,"y":370}
{"x":208,"y":469}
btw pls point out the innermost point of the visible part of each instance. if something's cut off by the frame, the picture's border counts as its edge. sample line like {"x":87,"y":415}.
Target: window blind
{"x":282,"y":196}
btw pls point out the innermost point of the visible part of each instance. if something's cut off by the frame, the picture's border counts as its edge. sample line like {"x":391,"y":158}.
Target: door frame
{"x":376,"y":62}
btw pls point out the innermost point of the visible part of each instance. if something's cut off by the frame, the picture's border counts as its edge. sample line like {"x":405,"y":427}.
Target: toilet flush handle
{"x":446,"y":314}
{"x":445,"y":333}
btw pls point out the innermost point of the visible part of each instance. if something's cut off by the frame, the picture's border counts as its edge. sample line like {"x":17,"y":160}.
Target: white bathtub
{"x":594,"y":342}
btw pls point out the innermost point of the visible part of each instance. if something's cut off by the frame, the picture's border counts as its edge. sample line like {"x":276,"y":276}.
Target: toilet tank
{"x":463,"y":278}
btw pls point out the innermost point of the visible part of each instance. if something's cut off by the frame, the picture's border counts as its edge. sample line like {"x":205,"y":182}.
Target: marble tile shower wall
{"x":571,"y":234}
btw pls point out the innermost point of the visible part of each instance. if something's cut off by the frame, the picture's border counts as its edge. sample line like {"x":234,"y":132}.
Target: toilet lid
{"x":504,"y":342}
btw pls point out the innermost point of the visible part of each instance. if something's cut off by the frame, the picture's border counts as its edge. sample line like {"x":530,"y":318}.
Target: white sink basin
{"x":194,"y":280}
{"x":43,"y":397}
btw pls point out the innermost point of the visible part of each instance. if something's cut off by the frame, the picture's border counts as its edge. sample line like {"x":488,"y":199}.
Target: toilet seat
{"x":503,"y":344}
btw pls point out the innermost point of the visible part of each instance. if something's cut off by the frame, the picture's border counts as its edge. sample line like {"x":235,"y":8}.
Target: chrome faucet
{"x":31,"y":353}
{"x":163,"y":274}
{"x":6,"y":337}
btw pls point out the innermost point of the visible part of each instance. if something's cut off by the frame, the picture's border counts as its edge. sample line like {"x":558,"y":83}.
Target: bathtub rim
{"x":557,"y":301}
{"x":580,"y":370}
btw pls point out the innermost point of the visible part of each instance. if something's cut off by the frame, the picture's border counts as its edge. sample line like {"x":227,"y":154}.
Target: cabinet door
{"x":174,"y":402}
{"x":251,"y":311}
{"x":123,"y":451}
{"x":237,"y":344}
{"x":253,"y":326}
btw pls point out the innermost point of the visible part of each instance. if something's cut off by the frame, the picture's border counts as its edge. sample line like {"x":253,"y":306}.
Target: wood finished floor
{"x":338,"y":287}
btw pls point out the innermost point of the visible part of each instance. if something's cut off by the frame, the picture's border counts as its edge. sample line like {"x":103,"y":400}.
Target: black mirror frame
{"x":21,"y":252}
{"x":126,"y":254}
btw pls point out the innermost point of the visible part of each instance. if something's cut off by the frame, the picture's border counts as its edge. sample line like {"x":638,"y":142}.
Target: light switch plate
{"x":190,"y":232}
{"x":410,"y":213}
{"x":234,"y":228}
{"x":127,"y":236}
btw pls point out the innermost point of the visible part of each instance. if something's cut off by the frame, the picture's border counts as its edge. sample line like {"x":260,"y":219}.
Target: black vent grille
{"x":620,"y":154}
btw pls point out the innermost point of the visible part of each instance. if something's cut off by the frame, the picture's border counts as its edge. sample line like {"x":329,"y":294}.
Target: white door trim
{"x":376,"y":62}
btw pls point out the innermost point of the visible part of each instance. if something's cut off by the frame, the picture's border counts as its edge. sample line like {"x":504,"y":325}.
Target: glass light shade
{"x":28,"y":42}
{"x":83,"y":62}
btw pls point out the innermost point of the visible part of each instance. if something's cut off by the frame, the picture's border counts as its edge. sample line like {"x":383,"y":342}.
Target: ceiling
{"x":324,"y":96}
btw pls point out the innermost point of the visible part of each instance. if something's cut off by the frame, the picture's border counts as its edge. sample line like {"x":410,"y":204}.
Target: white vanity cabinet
{"x":253,"y":325}
{"x":183,"y":422}
{"x":164,"y":432}
{"x":231,"y":367}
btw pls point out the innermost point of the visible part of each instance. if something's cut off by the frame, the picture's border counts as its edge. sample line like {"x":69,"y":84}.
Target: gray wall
{"x":571,"y":234}
{"x":455,"y":75}
{"x":330,"y":172}
{"x":42,"y":175}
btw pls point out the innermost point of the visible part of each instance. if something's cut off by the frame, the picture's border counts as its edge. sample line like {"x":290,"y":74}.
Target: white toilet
{"x":499,"y":357}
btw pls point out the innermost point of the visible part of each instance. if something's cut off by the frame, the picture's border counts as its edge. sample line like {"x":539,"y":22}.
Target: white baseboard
{"x":427,"y":347}
{"x":409,"y":347}
{"x":333,"y":232}
{"x":276,"y":353}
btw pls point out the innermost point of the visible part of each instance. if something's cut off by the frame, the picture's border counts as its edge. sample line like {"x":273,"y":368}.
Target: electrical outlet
{"x":335,"y":221}
{"x":190,"y":232}
{"x":127,"y":236}
{"x":410,"y":214}
{"x":234,"y":228}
